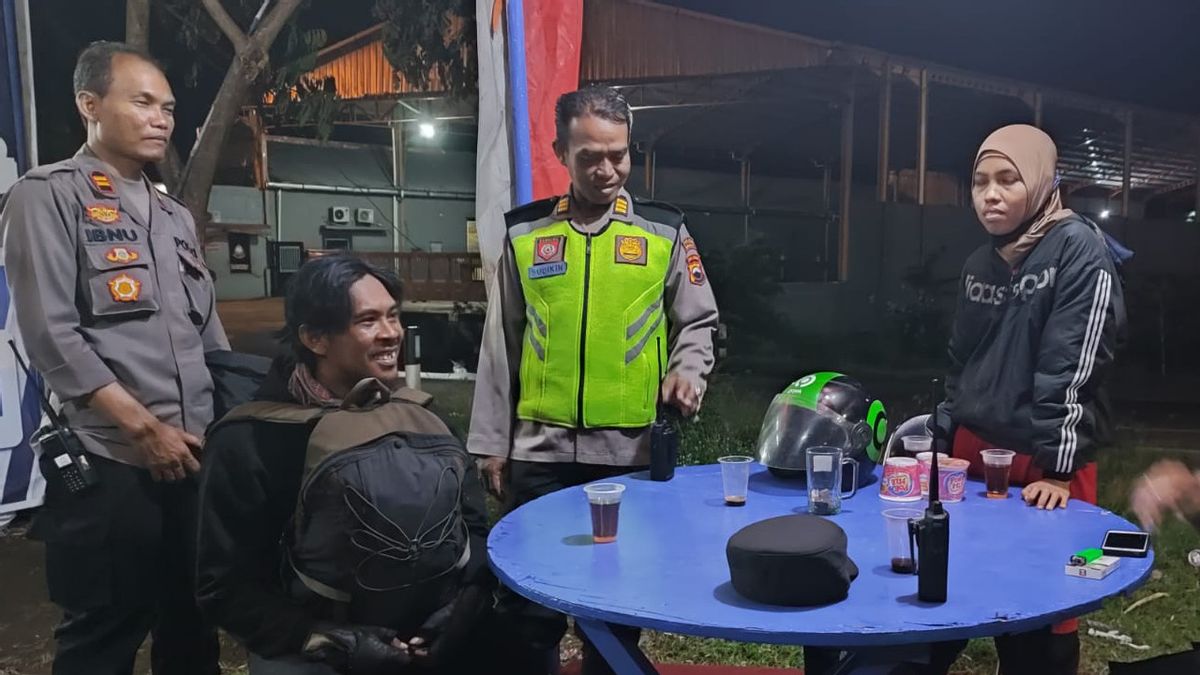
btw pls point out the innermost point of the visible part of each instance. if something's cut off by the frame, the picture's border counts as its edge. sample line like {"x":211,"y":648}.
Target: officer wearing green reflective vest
{"x":601,"y":310}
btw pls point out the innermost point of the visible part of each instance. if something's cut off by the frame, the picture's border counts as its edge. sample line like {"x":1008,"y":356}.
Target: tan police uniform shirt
{"x":104,"y":292}
{"x":691,"y":312}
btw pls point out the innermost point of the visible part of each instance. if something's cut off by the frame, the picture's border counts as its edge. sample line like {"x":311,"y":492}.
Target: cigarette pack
{"x":1098,"y":569}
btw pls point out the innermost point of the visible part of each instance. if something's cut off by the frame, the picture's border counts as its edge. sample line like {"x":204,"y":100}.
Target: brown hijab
{"x":1035,"y":157}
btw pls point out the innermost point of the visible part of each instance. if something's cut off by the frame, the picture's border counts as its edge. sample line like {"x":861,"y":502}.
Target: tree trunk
{"x":197,"y":179}
{"x":137,"y":23}
{"x":249,"y":62}
{"x":137,"y":34}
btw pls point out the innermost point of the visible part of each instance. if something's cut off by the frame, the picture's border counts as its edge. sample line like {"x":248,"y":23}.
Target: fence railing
{"x":433,"y":277}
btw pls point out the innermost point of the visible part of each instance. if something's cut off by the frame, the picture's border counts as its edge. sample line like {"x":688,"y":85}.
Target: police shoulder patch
{"x":530,"y":212}
{"x":659,"y":212}
{"x":46,"y":170}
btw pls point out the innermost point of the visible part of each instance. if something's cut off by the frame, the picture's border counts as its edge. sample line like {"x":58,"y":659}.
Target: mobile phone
{"x":1127,"y":544}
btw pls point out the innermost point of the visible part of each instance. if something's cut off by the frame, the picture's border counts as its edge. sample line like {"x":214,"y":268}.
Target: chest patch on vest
{"x":548,"y":249}
{"x":630,"y":250}
{"x":547,"y":270}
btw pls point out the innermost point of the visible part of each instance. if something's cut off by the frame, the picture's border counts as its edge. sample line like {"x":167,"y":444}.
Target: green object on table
{"x":1086,"y":557}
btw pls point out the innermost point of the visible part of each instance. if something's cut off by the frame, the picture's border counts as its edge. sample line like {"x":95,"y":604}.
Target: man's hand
{"x":680,"y":392}
{"x":492,"y":470}
{"x":171,"y":453}
{"x":357,"y":650}
{"x":1047,"y":494}
{"x":1168,"y":487}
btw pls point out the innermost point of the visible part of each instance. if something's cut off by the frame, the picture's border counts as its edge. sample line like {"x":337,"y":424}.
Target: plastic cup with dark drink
{"x":996,"y":466}
{"x":735,"y":477}
{"x":604,"y":500}
{"x":899,"y":550}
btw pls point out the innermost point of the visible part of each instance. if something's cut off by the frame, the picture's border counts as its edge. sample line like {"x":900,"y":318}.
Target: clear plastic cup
{"x":899,"y":550}
{"x":604,"y":499}
{"x":735,"y":477}
{"x":915,"y":445}
{"x":996,"y":466}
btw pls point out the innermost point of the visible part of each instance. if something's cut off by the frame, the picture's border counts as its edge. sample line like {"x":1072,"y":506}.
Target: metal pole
{"x":278,"y":214}
{"x":653,"y":173}
{"x":412,"y":357}
{"x":1198,"y":177}
{"x":398,"y":180}
{"x":847,"y":186}
{"x":1037,"y":109}
{"x":885,"y":131}
{"x":648,"y":170}
{"x":1127,"y":177}
{"x":746,"y":200}
{"x":923,"y":137}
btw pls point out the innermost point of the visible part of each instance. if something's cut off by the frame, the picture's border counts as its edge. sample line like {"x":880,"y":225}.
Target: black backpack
{"x":378,"y":526}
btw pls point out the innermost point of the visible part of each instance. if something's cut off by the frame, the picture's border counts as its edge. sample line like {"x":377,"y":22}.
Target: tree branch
{"x":274,"y":22}
{"x":226,"y":23}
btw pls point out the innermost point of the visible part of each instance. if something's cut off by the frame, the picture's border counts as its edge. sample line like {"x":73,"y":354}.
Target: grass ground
{"x":729,"y":424}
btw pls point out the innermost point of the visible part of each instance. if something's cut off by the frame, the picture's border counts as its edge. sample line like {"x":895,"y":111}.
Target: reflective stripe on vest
{"x":595,"y":338}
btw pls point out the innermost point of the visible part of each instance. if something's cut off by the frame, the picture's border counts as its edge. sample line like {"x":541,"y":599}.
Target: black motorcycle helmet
{"x":822,"y":409}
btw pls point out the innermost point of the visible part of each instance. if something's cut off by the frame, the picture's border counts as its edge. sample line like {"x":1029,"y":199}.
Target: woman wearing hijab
{"x":1040,"y":314}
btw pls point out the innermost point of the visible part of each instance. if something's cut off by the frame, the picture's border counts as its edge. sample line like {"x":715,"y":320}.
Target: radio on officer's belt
{"x":664,"y":437}
{"x":60,"y":444}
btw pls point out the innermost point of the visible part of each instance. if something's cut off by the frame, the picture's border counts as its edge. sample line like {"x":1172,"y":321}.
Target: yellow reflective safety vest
{"x":595,"y":343}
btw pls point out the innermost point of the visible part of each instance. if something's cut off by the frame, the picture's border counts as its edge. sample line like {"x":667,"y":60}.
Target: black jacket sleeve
{"x":1078,"y":343}
{"x":242,"y":516}
{"x":942,"y":424}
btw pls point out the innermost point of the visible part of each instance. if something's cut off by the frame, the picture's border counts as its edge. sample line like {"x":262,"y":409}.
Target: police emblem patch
{"x":120,"y":254}
{"x":124,"y":288}
{"x":99,"y":213}
{"x":631,"y":250}
{"x":695,"y":270}
{"x":548,"y":249}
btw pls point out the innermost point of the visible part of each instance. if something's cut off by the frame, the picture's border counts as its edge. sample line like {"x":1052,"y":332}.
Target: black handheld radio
{"x":931,"y":533}
{"x":61,"y":448}
{"x":664,"y":437}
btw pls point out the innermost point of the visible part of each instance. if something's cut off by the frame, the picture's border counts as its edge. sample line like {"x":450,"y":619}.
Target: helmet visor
{"x":788,"y":430}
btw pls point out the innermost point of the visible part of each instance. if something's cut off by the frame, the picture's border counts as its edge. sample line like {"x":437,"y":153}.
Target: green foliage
{"x":746,"y":287}
{"x":431,"y":42}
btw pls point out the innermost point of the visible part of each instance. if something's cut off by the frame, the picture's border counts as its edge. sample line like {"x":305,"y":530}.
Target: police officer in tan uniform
{"x":601,"y":311}
{"x":117,"y":309}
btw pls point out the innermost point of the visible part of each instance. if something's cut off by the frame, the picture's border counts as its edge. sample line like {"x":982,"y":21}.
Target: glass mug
{"x":823,"y":467}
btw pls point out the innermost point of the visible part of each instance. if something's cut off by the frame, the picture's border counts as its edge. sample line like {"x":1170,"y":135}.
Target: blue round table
{"x":667,"y":570}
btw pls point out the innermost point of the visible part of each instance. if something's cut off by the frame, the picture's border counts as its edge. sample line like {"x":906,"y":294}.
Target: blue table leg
{"x":623,"y":656}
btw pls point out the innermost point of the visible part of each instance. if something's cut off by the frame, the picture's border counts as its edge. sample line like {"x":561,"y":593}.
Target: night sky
{"x":1145,"y":52}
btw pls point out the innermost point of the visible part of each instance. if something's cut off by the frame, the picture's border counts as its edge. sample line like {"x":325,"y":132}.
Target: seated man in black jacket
{"x":343,"y":325}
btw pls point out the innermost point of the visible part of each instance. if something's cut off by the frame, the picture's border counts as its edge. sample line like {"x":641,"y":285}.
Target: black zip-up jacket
{"x":249,"y":484}
{"x":1032,"y":346}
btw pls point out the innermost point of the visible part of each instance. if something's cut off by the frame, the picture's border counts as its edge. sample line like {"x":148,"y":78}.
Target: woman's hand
{"x":1047,"y":494}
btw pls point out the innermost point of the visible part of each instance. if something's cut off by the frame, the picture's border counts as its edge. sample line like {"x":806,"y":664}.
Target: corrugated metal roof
{"x":360,"y":69}
{"x":634,"y":40}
